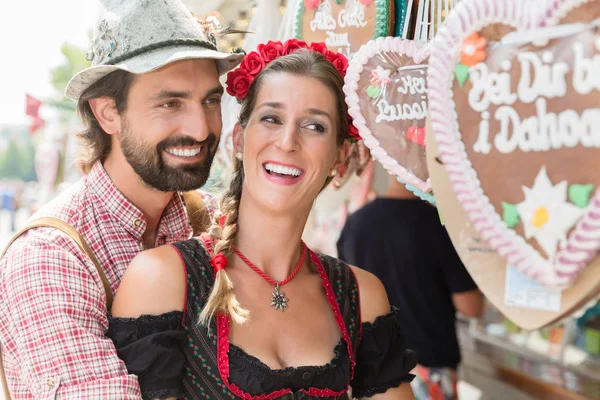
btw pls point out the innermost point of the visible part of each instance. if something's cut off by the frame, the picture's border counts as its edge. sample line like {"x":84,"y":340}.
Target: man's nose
{"x":195,"y":124}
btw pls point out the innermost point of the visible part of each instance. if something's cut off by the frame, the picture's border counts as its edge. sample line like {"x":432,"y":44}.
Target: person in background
{"x":400,"y":239}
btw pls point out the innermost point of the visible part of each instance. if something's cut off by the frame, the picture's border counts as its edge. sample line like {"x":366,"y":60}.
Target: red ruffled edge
{"x":223,"y":322}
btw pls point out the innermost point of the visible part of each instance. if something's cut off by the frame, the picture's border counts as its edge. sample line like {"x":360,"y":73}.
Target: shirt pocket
{"x":49,"y":387}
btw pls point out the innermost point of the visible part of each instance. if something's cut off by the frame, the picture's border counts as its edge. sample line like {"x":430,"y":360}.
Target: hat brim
{"x":151,"y":61}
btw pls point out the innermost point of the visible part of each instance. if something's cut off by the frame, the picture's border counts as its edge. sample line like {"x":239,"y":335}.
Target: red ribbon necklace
{"x":278,"y":299}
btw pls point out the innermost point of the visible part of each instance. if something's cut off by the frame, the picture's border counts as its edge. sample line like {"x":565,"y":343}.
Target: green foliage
{"x":18,"y":161}
{"x":74,"y":61}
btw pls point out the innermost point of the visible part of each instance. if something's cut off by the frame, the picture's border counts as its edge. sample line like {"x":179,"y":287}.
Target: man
{"x":400,"y":239}
{"x":151,"y":106}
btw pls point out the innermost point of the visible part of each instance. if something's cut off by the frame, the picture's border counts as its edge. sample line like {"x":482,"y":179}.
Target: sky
{"x":32,"y":33}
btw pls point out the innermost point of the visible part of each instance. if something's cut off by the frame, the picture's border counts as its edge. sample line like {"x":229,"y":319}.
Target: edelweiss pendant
{"x":278,"y":299}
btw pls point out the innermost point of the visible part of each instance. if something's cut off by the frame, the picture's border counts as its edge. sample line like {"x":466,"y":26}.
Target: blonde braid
{"x":222,"y":298}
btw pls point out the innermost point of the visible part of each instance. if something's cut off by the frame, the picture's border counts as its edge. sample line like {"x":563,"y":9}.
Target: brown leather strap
{"x":3,"y":380}
{"x":196,"y":209}
{"x":62,"y":226}
{"x":51,"y":222}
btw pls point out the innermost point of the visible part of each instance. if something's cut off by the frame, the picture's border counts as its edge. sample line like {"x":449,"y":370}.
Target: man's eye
{"x":170,"y":104}
{"x":213,"y":101}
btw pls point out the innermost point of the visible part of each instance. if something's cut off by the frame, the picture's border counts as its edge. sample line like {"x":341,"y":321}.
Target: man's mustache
{"x":186,"y":141}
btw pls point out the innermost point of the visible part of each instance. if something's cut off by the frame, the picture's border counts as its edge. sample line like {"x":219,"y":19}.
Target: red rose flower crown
{"x":240,"y":79}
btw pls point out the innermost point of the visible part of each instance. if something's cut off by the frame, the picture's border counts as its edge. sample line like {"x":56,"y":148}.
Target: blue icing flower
{"x":420,"y":194}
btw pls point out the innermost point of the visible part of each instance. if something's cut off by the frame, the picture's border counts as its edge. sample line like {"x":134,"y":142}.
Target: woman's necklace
{"x":278,"y":299}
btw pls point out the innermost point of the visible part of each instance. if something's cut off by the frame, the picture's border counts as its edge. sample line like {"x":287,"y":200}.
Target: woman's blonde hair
{"x":302,"y":63}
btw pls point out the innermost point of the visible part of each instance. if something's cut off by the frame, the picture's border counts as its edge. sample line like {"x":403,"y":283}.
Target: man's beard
{"x":148,"y":163}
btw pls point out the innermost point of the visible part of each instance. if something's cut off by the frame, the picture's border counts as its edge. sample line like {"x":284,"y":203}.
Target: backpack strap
{"x":51,"y":222}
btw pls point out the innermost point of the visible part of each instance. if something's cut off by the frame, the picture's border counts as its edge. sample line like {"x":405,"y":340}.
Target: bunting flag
{"x":32,"y":108}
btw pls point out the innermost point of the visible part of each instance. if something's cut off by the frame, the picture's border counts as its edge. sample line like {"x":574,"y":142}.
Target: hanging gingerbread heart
{"x":386,"y":92}
{"x":514,"y":102}
{"x":344,"y":25}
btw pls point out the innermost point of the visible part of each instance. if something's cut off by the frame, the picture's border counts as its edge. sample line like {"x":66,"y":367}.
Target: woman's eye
{"x":316,"y":127}
{"x":270,"y":119}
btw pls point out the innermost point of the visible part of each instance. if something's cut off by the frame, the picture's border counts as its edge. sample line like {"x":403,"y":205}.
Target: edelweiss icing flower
{"x":473,"y":50}
{"x":546,"y":215}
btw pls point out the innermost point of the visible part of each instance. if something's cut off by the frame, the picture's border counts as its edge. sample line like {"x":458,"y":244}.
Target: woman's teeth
{"x":281,"y":170}
{"x":184,"y":152}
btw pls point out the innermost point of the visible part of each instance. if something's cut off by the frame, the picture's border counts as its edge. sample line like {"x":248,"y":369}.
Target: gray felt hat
{"x":143,"y":35}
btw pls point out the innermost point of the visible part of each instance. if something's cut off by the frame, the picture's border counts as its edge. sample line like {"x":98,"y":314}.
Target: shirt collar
{"x":174,"y":224}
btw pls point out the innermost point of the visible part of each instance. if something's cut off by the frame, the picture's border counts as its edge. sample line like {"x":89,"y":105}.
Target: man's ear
{"x":238,"y":138}
{"x":105,"y":111}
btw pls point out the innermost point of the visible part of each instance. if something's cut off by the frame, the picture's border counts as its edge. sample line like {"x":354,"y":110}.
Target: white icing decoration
{"x":540,"y":132}
{"x":412,"y":85}
{"x":585,"y":72}
{"x":506,"y":65}
{"x":538,"y":81}
{"x":561,"y":215}
{"x":380,"y":75}
{"x":547,"y":57}
{"x":400,"y":112}
{"x":352,"y":16}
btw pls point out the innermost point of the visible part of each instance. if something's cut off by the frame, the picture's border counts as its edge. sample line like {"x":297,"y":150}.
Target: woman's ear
{"x":105,"y":111}
{"x":238,"y":139}
{"x":342,"y":154}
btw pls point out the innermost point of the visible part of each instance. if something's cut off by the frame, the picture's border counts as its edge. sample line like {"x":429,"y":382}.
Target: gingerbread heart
{"x":387,"y":98}
{"x":514,"y":102}
{"x":343,"y":25}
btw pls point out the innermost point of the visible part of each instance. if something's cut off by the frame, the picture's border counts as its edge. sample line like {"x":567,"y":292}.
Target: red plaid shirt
{"x":52,"y":302}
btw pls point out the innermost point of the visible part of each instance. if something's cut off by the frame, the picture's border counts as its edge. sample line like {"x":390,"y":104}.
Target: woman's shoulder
{"x":154,"y":283}
{"x":369,"y":286}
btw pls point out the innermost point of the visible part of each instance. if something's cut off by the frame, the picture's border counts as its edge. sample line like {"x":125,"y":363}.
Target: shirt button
{"x":137,"y":222}
{"x":50,"y":383}
{"x":306,"y":376}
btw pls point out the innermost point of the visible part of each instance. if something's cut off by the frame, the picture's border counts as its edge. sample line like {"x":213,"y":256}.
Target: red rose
{"x":319,"y":47}
{"x":339,"y":61}
{"x":352,"y":131}
{"x":238,"y":83}
{"x":270,"y":51}
{"x":292,"y":45}
{"x":253,"y":63}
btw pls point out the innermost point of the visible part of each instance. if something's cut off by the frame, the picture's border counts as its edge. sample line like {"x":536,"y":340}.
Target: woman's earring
{"x":238,"y":155}
{"x":333,"y":172}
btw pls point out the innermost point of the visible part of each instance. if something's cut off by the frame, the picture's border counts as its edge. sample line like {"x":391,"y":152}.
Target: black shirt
{"x":404,"y":244}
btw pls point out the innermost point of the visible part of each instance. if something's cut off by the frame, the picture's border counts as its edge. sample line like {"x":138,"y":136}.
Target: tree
{"x":74,"y":62}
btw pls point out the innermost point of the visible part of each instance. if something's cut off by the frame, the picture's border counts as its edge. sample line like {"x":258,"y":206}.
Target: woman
{"x":247,"y":310}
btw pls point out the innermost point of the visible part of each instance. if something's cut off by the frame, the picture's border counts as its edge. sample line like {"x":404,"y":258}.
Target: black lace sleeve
{"x":382,"y":360}
{"x":152,"y":348}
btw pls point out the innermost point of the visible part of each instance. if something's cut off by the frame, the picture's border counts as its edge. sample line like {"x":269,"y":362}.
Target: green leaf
{"x":373,"y":91}
{"x":580,"y":194}
{"x":339,"y":1}
{"x":461,"y":72}
{"x":510,"y":214}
